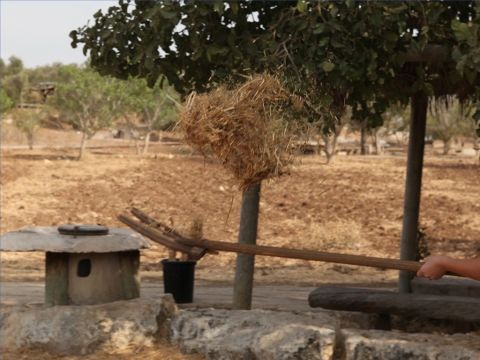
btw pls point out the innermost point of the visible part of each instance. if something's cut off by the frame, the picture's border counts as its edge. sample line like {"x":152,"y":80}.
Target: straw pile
{"x":242,"y":127}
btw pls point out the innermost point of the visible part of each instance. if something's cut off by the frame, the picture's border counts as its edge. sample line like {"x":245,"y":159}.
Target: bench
{"x":385,"y":302}
{"x":447,"y":286}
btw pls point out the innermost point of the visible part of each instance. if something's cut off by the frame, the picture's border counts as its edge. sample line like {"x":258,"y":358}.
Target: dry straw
{"x":243,"y":128}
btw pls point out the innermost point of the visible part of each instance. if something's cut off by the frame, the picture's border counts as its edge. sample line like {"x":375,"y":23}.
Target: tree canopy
{"x":85,"y":101}
{"x":363,"y":54}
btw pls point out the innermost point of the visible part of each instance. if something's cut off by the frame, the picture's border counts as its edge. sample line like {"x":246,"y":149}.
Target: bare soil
{"x":352,"y":206}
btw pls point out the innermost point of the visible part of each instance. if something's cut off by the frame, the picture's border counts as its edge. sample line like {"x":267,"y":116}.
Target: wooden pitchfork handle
{"x":359,"y":260}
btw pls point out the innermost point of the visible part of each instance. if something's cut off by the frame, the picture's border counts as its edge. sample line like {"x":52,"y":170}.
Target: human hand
{"x":434,"y":267}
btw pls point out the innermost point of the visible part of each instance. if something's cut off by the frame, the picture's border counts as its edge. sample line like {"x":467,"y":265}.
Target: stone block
{"x":78,"y":330}
{"x":394,"y":345}
{"x":255,"y":334}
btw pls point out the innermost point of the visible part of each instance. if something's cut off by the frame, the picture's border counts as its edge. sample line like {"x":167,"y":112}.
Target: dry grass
{"x":243,"y":128}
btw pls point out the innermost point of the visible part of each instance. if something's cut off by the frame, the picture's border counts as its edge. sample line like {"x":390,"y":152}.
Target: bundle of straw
{"x":243,"y":128}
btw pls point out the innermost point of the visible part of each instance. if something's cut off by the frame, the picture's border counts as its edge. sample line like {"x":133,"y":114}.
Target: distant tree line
{"x":84,"y":100}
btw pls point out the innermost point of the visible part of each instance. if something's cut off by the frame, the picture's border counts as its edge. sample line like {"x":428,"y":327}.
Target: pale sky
{"x":37,"y":31}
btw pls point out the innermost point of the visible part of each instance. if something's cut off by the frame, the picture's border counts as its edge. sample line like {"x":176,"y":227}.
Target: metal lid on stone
{"x":82,"y":230}
{"x":73,"y":239}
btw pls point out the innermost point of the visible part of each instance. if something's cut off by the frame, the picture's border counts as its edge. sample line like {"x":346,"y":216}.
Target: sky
{"x":37,"y":31}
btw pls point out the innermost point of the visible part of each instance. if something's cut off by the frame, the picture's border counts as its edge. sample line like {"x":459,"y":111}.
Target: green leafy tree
{"x":155,"y":107}
{"x":450,"y":119}
{"x":14,"y":66}
{"x":85,"y":102}
{"x":28,"y":122}
{"x":5,"y":102}
{"x":3,"y":68}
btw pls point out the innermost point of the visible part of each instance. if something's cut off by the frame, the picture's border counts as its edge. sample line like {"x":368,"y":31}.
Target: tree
{"x":156,"y":105}
{"x":449,"y":119}
{"x":14,"y":66}
{"x":28,"y":122}
{"x":5,"y":102}
{"x":85,"y":101}
{"x":334,"y":54}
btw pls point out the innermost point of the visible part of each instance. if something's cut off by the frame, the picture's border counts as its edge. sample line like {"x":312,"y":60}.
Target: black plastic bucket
{"x":178,"y":279}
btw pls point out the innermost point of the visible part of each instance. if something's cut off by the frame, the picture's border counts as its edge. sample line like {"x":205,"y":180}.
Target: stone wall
{"x":223,"y":334}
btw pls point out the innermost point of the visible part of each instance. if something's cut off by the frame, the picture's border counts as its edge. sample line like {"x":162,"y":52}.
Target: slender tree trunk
{"x":83,"y":146}
{"x":329,"y":152}
{"x":242,"y":289}
{"x":377,"y":141}
{"x":413,"y":187}
{"x":330,"y":146}
{"x":30,"y":140}
{"x":446,"y":146}
{"x":146,"y":142}
{"x":363,"y":137}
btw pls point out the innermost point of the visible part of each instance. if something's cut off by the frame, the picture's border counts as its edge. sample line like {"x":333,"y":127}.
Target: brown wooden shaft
{"x":305,"y":254}
{"x":154,"y":234}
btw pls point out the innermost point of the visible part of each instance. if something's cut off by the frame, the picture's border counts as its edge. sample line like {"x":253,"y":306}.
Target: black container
{"x":178,"y":279}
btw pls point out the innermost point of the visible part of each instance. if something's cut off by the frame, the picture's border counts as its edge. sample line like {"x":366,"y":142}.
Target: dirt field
{"x":352,"y":206}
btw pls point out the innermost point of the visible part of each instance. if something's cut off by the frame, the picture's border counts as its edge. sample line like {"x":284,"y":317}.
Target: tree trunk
{"x":146,"y":143}
{"x":377,"y":141}
{"x":242,"y":289}
{"x":83,"y":146}
{"x":446,"y":146}
{"x":413,"y":186}
{"x":330,"y":146}
{"x":363,"y":137}
{"x":30,"y":140}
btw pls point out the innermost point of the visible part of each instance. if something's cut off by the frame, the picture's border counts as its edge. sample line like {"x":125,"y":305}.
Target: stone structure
{"x":79,"y":330}
{"x":84,"y":264}
{"x":219,"y":334}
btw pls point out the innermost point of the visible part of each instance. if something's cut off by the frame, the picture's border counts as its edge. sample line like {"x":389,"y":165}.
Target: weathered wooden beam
{"x":389,"y":302}
{"x":312,"y":255}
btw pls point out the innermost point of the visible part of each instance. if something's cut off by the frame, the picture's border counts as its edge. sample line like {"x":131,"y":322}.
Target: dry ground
{"x":353,"y":206}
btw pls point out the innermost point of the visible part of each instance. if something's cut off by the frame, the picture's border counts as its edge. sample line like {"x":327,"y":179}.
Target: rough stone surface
{"x":394,"y":345}
{"x":47,"y":238}
{"x":84,"y":329}
{"x":255,"y":334}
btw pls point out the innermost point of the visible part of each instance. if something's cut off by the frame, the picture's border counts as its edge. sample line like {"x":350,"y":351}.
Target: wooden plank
{"x":389,"y":302}
{"x":56,"y":279}
{"x":359,"y":260}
